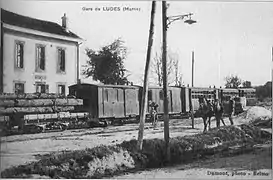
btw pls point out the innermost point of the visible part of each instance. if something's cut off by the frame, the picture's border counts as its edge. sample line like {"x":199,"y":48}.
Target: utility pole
{"x":165,"y":81}
{"x":190,"y":91}
{"x":145,"y":83}
{"x":272,"y":66}
{"x":192,"y":68}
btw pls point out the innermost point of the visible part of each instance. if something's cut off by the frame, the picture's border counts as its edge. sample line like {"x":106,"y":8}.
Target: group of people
{"x":210,"y":108}
{"x":207,"y":108}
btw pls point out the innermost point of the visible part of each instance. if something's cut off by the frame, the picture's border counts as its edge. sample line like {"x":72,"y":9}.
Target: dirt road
{"x":20,"y":149}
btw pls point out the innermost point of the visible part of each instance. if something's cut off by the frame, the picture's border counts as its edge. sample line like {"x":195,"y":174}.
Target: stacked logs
{"x":36,"y":103}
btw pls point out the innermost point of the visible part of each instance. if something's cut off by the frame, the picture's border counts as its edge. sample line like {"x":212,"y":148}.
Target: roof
{"x":230,"y":90}
{"x":104,"y":85}
{"x":202,"y":89}
{"x":35,"y":24}
{"x":247,"y":89}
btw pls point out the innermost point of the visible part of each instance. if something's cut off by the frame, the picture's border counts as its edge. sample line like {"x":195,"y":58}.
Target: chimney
{"x":65,"y":22}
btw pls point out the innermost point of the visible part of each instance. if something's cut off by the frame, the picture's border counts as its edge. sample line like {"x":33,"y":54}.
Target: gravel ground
{"x":21,"y":149}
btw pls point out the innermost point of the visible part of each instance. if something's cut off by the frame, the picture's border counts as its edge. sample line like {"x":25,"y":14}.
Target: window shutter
{"x":37,"y":88}
{"x":23,"y":88}
{"x":63,"y":60}
{"x":21,"y":55}
{"x":149,"y":95}
{"x":47,"y":88}
{"x":59,"y":60}
{"x":63,"y":90}
{"x":42,"y":58}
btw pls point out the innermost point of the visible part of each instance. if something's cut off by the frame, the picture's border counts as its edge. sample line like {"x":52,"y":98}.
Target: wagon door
{"x":131,"y":102}
{"x":100,"y":102}
{"x":187,"y":102}
{"x":119,"y":103}
{"x":107,"y":102}
{"x":159,"y":99}
{"x":176,"y":100}
{"x":170,"y":102}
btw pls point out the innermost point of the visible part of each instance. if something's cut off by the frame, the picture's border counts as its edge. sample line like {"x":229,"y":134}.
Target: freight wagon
{"x":197,"y":92}
{"x":249,"y":94}
{"x":107,"y":101}
{"x":155,"y":94}
{"x":123,"y":102}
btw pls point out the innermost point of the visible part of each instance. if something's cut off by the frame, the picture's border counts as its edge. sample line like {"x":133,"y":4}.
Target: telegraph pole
{"x":165,"y":80}
{"x":192,"y":68}
{"x":145,"y":83}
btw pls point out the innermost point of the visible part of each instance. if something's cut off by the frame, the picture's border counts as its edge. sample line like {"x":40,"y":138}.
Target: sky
{"x":228,"y":38}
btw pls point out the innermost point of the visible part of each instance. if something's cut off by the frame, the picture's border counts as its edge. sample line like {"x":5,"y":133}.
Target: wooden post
{"x":165,"y":80}
{"x":191,"y":108}
{"x":2,"y":60}
{"x":145,"y":83}
{"x":192,"y":68}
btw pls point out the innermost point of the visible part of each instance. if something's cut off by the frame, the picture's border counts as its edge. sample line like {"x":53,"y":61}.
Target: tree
{"x":177,"y":74}
{"x":173,"y":73}
{"x":247,"y":84}
{"x":107,"y":64}
{"x":232,"y":81}
{"x":264,"y":91}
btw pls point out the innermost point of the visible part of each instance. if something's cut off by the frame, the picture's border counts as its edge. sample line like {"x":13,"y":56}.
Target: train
{"x":116,"y":104}
{"x":112,"y":102}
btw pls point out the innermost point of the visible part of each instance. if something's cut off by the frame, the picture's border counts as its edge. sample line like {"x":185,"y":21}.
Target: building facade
{"x":37,"y":55}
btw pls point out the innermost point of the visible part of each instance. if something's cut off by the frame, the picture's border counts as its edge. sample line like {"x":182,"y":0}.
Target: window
{"x":42,"y":88}
{"x":61,"y":60}
{"x":40,"y":58}
{"x":19,"y":88}
{"x":19,"y":55}
{"x":61,"y":89}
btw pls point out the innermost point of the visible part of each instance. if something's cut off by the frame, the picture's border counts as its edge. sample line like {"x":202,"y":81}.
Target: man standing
{"x":153,"y":112}
{"x":231,"y":109}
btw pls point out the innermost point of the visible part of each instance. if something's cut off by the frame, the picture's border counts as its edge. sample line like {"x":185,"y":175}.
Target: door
{"x":176,"y":100}
{"x":170,"y":102}
{"x":118,"y":102}
{"x":107,"y":101}
{"x":100,"y":102}
{"x":188,"y":98}
{"x":131,"y":102}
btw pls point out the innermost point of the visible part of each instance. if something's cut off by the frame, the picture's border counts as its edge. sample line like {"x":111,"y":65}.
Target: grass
{"x":108,"y":160}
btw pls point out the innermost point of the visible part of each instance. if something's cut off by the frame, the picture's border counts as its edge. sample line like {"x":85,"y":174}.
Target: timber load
{"x":36,"y":103}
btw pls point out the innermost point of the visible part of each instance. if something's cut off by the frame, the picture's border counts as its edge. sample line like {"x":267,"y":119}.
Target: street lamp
{"x":171,"y":19}
{"x":166,"y":21}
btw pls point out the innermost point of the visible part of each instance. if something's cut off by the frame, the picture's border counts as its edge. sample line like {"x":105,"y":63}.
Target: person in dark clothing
{"x":153,"y":112}
{"x":218,"y":111}
{"x":231,"y":110}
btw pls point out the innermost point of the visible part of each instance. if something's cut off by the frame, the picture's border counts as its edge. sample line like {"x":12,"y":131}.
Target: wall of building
{"x":28,"y":74}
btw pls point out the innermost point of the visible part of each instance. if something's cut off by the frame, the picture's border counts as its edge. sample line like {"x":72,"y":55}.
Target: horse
{"x":206,"y":111}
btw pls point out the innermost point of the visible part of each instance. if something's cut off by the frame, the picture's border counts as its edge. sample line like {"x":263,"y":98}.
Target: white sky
{"x":228,"y":38}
